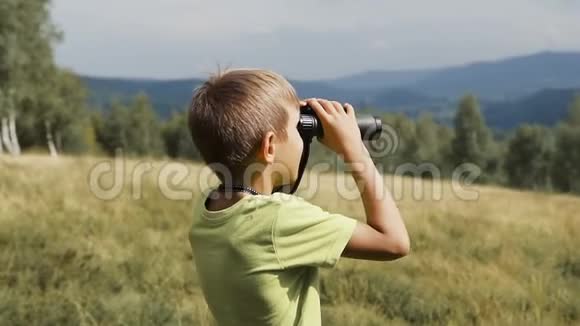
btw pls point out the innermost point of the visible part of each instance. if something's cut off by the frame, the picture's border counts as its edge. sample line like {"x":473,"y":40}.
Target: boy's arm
{"x":384,"y":237}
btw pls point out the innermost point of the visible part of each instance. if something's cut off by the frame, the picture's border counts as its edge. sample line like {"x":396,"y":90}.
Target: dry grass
{"x":67,"y":257}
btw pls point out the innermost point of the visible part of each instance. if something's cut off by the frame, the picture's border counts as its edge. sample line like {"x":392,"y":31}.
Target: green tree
{"x":144,"y":134}
{"x":404,"y":143}
{"x":135,"y":128}
{"x":434,"y":142}
{"x":26,"y":59}
{"x":177,"y":138}
{"x":529,"y":156}
{"x":112,"y":130}
{"x":566,"y":168}
{"x":65,"y":118}
{"x":566,"y":165}
{"x":473,"y":141}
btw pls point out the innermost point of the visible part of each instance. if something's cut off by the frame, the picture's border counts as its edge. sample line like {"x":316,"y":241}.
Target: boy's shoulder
{"x":289,"y":203}
{"x":284,"y":198}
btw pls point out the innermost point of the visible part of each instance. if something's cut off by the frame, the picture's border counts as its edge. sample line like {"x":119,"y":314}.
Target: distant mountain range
{"x":535,"y":88}
{"x":501,"y":79}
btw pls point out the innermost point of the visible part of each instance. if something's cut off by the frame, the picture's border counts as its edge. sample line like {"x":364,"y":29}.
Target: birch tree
{"x":26,"y":58}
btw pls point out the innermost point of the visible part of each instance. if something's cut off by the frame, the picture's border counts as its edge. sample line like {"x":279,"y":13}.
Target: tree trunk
{"x":1,"y":146}
{"x":50,"y":140}
{"x":58,"y":141}
{"x":13,"y":135}
{"x":6,"y":136}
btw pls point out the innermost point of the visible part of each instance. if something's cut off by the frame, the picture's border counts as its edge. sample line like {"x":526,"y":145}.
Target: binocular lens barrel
{"x":310,"y":126}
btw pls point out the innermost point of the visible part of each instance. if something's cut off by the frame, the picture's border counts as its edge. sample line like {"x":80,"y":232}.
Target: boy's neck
{"x":260,"y":184}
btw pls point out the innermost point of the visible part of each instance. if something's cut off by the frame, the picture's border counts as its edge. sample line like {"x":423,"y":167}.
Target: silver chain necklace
{"x":238,"y":188}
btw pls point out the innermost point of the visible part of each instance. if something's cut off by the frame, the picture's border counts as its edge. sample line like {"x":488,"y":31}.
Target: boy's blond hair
{"x":232,"y":111}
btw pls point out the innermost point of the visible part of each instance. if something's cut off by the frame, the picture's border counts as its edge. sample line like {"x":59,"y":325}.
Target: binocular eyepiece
{"x":310,"y":125}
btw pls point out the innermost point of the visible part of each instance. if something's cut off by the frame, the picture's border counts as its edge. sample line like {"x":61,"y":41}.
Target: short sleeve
{"x":306,"y":235}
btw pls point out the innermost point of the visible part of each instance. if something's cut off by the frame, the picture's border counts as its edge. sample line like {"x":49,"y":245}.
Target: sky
{"x":303,"y":39}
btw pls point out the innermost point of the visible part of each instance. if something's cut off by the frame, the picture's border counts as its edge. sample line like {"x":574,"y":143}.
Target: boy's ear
{"x":268,"y":148}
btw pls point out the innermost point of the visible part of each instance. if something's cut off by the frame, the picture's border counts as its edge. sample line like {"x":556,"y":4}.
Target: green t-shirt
{"x":257,"y":260}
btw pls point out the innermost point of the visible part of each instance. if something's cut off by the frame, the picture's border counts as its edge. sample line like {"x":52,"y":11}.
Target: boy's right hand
{"x":341,"y":132}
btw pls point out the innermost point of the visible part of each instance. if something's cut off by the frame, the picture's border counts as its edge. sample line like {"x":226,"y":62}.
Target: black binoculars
{"x":310,"y":126}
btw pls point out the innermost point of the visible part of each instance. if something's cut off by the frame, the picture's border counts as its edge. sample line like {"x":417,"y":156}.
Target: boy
{"x":256,"y":252}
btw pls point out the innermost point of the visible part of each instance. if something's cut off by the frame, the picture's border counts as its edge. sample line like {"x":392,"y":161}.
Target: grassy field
{"x":70,"y":258}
